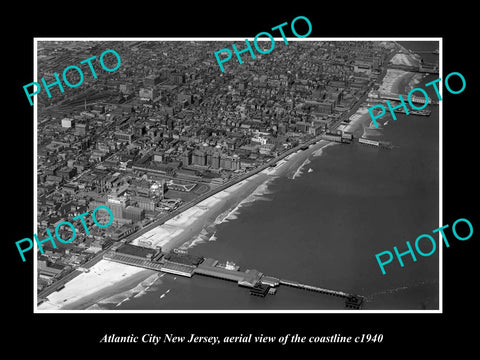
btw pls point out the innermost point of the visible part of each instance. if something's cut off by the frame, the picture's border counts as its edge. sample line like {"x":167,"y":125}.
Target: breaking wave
{"x":319,"y":152}
{"x":208,"y":232}
{"x":136,"y":292}
{"x":300,"y":170}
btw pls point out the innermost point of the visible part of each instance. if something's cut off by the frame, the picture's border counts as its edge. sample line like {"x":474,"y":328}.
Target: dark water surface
{"x":325,"y":226}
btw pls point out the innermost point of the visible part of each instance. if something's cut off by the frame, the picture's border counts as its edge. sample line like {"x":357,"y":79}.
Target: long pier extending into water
{"x":426,"y":68}
{"x":414,"y":99}
{"x":184,"y":264}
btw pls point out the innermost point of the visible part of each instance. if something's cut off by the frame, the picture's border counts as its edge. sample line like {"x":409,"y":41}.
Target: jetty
{"x":183,"y":264}
{"x":414,"y":99}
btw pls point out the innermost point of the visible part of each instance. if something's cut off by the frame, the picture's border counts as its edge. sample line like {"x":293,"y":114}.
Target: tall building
{"x":225,"y":162}
{"x":67,"y":173}
{"x":170,"y":123}
{"x":158,"y":189}
{"x":235,"y":162}
{"x":68,"y":123}
{"x":216,"y":160}
{"x":117,"y":210}
{"x":145,"y":203}
{"x":242,"y":85}
{"x":209,"y":158}
{"x":81,"y":128}
{"x":126,"y":88}
{"x":199,"y":158}
{"x":148,"y":93}
{"x":187,"y":157}
{"x":139,"y":129}
{"x":325,"y":107}
{"x":117,"y":205}
{"x":178,"y":78}
{"x":134,"y":213}
{"x":158,"y":156}
{"x":336,"y":96}
{"x":151,"y":80}
{"x":124,"y":136}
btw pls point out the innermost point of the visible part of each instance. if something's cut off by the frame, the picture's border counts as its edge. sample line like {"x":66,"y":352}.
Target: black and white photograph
{"x":238,"y":181}
{"x":279,"y":174}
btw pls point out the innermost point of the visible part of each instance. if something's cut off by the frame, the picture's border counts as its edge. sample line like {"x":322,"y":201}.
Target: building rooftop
{"x":136,"y":250}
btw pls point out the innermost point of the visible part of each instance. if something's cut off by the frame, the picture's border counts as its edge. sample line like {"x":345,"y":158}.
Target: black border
{"x":80,"y":333}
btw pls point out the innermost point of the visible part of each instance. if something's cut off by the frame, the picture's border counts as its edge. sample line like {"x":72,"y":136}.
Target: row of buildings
{"x":167,"y":123}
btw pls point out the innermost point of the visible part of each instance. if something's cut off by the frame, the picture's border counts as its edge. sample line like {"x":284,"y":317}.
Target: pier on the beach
{"x":183,"y":264}
{"x":351,"y":301}
{"x":427,"y":51}
{"x":425,"y":68}
{"x":414,"y":99}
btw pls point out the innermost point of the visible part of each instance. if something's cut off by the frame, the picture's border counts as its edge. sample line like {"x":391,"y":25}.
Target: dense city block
{"x":167,"y":129}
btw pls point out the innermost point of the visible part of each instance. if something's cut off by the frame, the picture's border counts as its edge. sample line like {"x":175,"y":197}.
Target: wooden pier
{"x":313,"y":288}
{"x":351,"y":301}
{"x":187,"y":265}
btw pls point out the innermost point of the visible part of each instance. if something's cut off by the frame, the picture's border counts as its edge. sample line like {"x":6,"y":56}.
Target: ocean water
{"x":323,"y":227}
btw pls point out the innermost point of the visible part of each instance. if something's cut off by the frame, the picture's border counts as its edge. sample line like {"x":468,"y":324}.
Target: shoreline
{"x":89,"y":287}
{"x":398,"y":81}
{"x":106,"y":279}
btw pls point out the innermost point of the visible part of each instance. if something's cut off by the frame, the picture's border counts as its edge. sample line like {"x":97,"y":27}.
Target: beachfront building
{"x":147,"y":125}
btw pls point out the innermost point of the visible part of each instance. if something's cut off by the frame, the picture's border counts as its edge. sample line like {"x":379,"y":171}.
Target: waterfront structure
{"x":183,"y":123}
{"x":381,"y":144}
{"x":184,"y":264}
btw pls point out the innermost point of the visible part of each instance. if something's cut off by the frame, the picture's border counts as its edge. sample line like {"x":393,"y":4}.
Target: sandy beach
{"x":102,"y":276}
{"x":176,"y":231}
{"x":399,"y":81}
{"x":107,"y":279}
{"x":405,"y":59}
